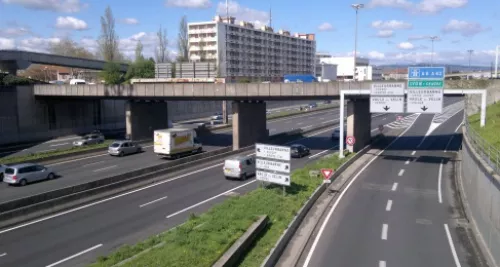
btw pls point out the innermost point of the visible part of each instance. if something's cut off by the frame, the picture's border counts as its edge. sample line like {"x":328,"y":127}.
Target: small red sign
{"x":399,"y":118}
{"x":350,"y":140}
{"x":327,"y":173}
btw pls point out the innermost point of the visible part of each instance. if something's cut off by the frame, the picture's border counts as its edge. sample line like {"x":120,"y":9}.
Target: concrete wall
{"x":474,"y":101}
{"x":249,"y":123}
{"x":481,"y":191}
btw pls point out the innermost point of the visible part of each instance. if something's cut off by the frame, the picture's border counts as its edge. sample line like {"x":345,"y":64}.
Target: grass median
{"x":57,"y":152}
{"x":203,"y":239}
{"x":490,"y":132}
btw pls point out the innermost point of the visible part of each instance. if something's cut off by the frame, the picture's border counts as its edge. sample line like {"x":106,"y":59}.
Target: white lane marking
{"x":133,"y":191}
{"x":394,"y":187}
{"x":381,"y":264}
{"x":458,"y":127}
{"x":413,"y":153}
{"x":452,"y":246}
{"x":322,"y":152}
{"x":65,"y":139}
{"x":321,"y":118}
{"x":300,"y":123}
{"x":207,"y":200}
{"x":332,"y":209}
{"x":151,"y":202}
{"x":73,"y":160}
{"x":3,"y":254}
{"x":440,"y":178}
{"x":401,"y":172}
{"x":60,"y":144}
{"x":75,"y":255}
{"x":93,"y":163}
{"x":389,"y":205}
{"x":48,"y":150}
{"x":106,"y":168}
{"x":407,"y":162}
{"x":385,"y":228}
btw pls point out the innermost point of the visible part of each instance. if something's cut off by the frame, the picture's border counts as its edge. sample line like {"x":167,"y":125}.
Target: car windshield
{"x":115,"y":145}
{"x":10,"y":171}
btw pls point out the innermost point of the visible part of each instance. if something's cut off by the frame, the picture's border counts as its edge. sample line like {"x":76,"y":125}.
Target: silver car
{"x":240,"y":167}
{"x":22,"y":174}
{"x":90,"y":139}
{"x":121,"y":148}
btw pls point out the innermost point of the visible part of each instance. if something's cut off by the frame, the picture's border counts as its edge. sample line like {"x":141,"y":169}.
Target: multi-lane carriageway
{"x":77,"y":237}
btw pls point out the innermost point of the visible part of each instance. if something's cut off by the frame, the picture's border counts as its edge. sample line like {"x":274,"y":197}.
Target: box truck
{"x":176,"y":142}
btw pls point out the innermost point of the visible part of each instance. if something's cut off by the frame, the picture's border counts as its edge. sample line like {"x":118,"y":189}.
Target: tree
{"x":70,"y":48}
{"x":108,"y":41}
{"x":161,"y":52}
{"x":182,"y":40}
{"x":141,"y":69}
{"x":111,"y":73}
{"x":138,"y":52}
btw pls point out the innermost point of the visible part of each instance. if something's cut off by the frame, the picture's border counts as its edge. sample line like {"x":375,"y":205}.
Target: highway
{"x":401,"y":209}
{"x":78,"y":236}
{"x":73,"y":172}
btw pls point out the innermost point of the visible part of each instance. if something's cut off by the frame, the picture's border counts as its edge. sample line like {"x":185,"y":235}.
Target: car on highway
{"x":24,"y":173}
{"x":2,"y":170}
{"x":336,"y":134}
{"x":299,"y":151}
{"x":216,"y":116}
{"x":90,"y":139}
{"x":124,"y":147}
{"x":239,"y":167}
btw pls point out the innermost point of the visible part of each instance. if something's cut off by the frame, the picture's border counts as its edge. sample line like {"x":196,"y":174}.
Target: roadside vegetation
{"x":204,"y":238}
{"x":490,"y":132}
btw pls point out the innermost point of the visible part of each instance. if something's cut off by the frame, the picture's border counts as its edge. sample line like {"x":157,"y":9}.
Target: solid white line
{"x":93,"y":163}
{"x":407,"y":162}
{"x":106,"y":168}
{"x":401,"y":172}
{"x":48,"y":150}
{"x":413,"y":153}
{"x":440,"y":178}
{"x":385,"y":228}
{"x":74,"y":256}
{"x":394,"y":187}
{"x":321,"y":118}
{"x":381,"y":264}
{"x":60,"y":144}
{"x":3,"y":254}
{"x":332,"y":209}
{"x":389,"y":205}
{"x":64,"y":139}
{"x":322,"y":152}
{"x":452,"y":246}
{"x":133,"y":191}
{"x":458,"y":127}
{"x":207,"y":200}
{"x":151,"y":202}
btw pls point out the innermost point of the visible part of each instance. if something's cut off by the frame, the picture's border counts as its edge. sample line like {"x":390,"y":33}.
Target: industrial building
{"x":242,"y":51}
{"x":345,"y":68}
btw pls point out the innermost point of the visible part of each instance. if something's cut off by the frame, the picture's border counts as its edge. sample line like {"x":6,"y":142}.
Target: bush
{"x":111,"y":73}
{"x":141,"y":69}
{"x":11,"y":80}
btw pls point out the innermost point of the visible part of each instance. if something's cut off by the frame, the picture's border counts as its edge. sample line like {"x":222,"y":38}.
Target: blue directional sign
{"x":426,"y":73}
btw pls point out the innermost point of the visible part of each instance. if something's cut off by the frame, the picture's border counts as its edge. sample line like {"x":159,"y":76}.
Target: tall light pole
{"x":470,"y":51}
{"x":356,"y":7}
{"x":433,"y":38}
{"x":496,"y":62}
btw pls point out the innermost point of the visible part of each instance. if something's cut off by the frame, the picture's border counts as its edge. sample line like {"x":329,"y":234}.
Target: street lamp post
{"x":433,"y":38}
{"x":496,"y":62}
{"x":470,"y":51}
{"x":356,"y":7}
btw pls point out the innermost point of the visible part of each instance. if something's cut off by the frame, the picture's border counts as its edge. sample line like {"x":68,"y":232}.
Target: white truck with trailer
{"x":176,"y":142}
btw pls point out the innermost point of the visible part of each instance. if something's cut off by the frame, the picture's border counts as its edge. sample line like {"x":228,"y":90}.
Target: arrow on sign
{"x":424,"y":108}
{"x":387,"y":108}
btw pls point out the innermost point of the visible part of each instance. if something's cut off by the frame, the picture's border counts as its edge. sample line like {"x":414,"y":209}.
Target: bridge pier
{"x":142,"y":118}
{"x":249,"y":123}
{"x":359,"y":123}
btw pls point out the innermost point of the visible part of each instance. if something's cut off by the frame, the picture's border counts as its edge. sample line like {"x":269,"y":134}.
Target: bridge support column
{"x":142,"y":118}
{"x":359,"y":123}
{"x":249,"y":123}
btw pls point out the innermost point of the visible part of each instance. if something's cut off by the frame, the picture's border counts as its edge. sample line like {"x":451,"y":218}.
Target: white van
{"x":77,"y":81}
{"x":240,"y":167}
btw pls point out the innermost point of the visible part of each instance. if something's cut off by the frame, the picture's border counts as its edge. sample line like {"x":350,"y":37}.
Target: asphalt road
{"x":402,"y":209}
{"x":92,"y":168}
{"x":77,"y":237}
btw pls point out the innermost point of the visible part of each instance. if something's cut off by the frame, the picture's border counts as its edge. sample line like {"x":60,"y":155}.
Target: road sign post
{"x":425,"y":89}
{"x":273,"y":164}
{"x":387,"y":98}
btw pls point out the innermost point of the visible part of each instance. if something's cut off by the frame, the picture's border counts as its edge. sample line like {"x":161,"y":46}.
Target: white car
{"x":90,"y":139}
{"x":216,"y":116}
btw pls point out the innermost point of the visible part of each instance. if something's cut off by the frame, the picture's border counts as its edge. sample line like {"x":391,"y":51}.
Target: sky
{"x":389,"y":31}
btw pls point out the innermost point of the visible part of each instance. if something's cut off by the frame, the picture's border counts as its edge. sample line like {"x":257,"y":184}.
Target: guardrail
{"x":487,"y":151}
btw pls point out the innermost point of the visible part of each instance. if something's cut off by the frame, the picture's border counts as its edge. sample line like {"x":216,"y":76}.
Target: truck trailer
{"x":176,"y":142}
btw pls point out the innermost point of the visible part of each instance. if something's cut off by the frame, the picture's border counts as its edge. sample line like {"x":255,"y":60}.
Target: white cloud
{"x":148,"y":40}
{"x":6,"y":43}
{"x":465,"y":28}
{"x":418,"y":37}
{"x":406,"y":46}
{"x":424,"y":6}
{"x":130,"y":21}
{"x":376,"y":55}
{"x":391,"y":25}
{"x":325,"y":27}
{"x":37,"y":44}
{"x":257,"y":17}
{"x":71,"y":23}
{"x":202,"y":4}
{"x":385,"y":33}
{"x":15,"y":31}
{"x":66,"y":6}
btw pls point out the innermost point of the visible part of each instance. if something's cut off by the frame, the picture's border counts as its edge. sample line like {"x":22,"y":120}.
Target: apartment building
{"x":243,"y":51}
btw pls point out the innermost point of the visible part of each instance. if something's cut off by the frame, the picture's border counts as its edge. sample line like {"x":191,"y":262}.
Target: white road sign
{"x":387,"y":104}
{"x":274,"y":178}
{"x":272,"y":152}
{"x":387,"y":89}
{"x":425,"y":101}
{"x":270,"y":165}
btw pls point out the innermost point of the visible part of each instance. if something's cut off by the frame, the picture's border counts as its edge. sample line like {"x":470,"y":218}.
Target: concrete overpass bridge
{"x":464,"y":75}
{"x":13,"y":60}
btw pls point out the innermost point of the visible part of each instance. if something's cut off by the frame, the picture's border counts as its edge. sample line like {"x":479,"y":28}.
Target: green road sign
{"x":425,"y":84}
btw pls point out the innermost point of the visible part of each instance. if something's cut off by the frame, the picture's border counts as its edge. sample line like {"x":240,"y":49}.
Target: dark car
{"x":298,"y":151}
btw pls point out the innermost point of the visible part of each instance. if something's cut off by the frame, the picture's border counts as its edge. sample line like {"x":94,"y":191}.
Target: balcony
{"x":198,"y":31}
